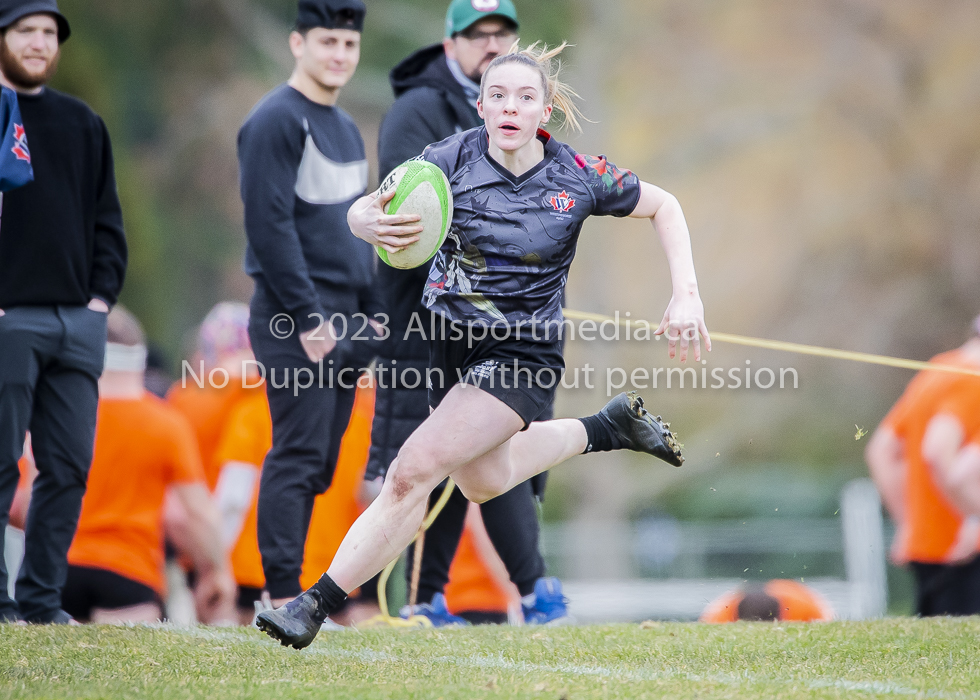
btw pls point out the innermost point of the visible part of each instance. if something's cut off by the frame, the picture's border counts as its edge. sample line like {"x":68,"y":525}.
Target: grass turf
{"x":887,"y":658}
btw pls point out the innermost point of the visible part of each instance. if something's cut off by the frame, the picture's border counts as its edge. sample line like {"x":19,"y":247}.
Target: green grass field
{"x":888,"y":658}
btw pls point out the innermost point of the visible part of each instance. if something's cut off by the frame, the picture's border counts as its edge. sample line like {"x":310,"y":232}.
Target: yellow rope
{"x":790,"y":347}
{"x":415,"y":620}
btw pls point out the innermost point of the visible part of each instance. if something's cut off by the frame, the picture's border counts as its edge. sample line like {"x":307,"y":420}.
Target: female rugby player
{"x":520,"y":198}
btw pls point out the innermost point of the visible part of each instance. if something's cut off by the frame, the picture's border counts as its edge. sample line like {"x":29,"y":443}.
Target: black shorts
{"x":87,"y":588}
{"x":521,"y":373}
{"x":947,"y":589}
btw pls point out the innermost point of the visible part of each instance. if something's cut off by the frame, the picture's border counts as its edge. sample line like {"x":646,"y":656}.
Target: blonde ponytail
{"x":543,"y":59}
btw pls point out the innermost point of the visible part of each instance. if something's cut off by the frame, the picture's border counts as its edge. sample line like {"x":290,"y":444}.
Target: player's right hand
{"x":318,"y":345}
{"x":368,"y":221}
{"x":897,"y":553}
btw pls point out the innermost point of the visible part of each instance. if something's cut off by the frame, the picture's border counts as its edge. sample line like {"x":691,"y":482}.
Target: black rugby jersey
{"x":512,"y":239}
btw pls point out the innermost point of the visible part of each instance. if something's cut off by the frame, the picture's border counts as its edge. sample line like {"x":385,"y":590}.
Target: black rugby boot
{"x":296,"y":623}
{"x":634,"y":428}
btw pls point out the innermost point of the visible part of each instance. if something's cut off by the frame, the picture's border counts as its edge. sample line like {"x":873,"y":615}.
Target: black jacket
{"x":430,"y":105}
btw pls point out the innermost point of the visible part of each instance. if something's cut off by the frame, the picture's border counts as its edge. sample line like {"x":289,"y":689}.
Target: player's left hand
{"x":683,"y":323}
{"x":214,"y":596}
{"x":98,"y":305}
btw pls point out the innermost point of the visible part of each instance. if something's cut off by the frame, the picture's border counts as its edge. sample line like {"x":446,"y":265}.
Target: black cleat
{"x":296,"y":623}
{"x":636,"y":429}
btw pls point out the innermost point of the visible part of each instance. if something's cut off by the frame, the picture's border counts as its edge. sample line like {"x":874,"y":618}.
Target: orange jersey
{"x":248,"y":437}
{"x":932,"y":522}
{"x":797,"y":603}
{"x":142,"y":446}
{"x":471,"y":586}
{"x":207,"y":410}
{"x":22,"y":496}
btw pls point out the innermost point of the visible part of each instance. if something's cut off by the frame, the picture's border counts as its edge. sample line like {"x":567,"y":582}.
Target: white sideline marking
{"x":499,"y":663}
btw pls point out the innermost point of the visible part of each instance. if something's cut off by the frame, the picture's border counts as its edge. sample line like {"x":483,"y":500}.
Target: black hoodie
{"x":430,"y":105}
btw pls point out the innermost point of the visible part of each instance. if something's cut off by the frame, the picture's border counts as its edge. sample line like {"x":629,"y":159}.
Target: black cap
{"x":13,"y":10}
{"x":330,"y":14}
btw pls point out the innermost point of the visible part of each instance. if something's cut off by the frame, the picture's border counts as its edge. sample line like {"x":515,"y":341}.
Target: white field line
{"x":498,"y":663}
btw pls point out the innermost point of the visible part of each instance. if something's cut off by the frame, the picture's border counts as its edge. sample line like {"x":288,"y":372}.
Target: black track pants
{"x":307,"y":427}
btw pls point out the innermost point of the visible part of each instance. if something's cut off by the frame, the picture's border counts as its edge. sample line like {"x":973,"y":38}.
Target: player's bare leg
{"x":467,"y":425}
{"x":133,"y":614}
{"x":622,"y":424}
{"x":477,"y":439}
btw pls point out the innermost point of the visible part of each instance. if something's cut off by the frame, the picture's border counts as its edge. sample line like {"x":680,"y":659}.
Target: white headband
{"x":125,"y":358}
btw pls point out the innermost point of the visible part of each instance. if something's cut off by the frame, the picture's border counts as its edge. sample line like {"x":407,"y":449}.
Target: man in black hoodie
{"x":62,"y":261}
{"x":436,"y":90}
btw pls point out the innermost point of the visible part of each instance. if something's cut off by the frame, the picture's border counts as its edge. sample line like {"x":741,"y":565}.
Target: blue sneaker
{"x":436,"y":612}
{"x":547,"y":605}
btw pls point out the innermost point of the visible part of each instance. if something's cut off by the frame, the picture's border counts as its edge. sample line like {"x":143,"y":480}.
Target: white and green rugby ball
{"x":420,"y":188}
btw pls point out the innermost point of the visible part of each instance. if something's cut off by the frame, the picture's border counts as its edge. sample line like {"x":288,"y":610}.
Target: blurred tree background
{"x":827,"y":155}
{"x":174,"y":81}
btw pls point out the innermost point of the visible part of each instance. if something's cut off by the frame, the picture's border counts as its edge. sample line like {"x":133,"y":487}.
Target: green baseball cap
{"x":463,"y":13}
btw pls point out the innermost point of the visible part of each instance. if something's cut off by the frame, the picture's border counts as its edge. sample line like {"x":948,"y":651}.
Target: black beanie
{"x":331,"y":14}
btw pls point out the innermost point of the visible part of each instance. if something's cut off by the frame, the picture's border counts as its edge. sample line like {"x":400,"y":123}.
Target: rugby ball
{"x":420,"y":188}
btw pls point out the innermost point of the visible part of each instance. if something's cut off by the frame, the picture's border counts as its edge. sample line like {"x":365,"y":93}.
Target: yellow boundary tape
{"x":790,"y":347}
{"x":385,"y":618}
{"x":868,"y":358}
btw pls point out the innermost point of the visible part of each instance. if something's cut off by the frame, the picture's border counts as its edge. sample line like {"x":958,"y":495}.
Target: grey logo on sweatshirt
{"x":323,"y":181}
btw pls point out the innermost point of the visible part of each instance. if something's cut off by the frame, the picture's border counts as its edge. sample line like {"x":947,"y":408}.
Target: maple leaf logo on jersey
{"x":562,"y":202}
{"x":20,"y":148}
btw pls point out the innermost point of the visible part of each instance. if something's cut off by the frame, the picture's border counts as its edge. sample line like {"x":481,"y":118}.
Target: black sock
{"x":601,"y":434}
{"x":331,"y":595}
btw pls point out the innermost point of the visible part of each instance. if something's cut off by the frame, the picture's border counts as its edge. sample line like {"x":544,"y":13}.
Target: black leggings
{"x":512,"y":524}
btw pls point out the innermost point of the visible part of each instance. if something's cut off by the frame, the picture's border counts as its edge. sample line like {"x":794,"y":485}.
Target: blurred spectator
{"x":302,"y":164}
{"x":241,"y":452}
{"x":22,"y":497}
{"x":62,"y":261}
{"x":220,"y":374}
{"x":962,"y":477}
{"x":158,"y":379}
{"x":142,"y":448}
{"x":779,"y":599}
{"x":223,"y":353}
{"x":911,"y":458}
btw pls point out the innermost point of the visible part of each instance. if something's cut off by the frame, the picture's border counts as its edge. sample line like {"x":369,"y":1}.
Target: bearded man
{"x":62,"y":261}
